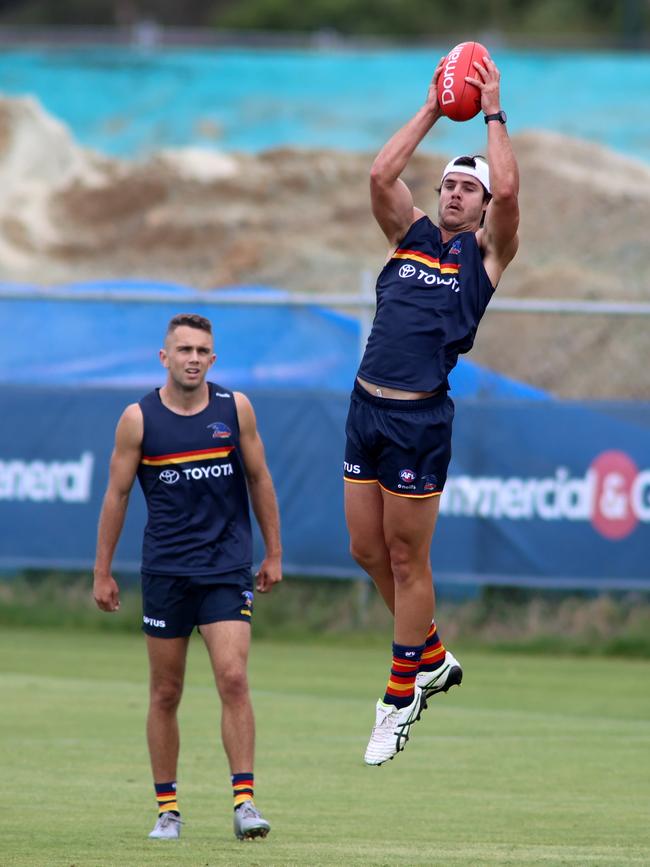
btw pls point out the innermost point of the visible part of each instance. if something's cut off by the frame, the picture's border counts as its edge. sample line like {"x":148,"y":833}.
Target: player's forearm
{"x":265,"y":508}
{"x":504,"y":171}
{"x":111,"y":521}
{"x":393,"y":158}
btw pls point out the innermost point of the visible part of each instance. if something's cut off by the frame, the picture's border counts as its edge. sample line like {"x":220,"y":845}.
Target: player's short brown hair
{"x":193,"y":320}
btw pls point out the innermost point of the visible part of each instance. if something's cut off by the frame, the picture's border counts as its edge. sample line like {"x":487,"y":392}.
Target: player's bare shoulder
{"x":245,"y":412}
{"x":242,"y":402}
{"x":130,"y":428}
{"x":417,"y":215}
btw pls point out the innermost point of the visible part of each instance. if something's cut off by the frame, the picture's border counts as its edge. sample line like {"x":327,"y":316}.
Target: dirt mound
{"x":301,"y":220}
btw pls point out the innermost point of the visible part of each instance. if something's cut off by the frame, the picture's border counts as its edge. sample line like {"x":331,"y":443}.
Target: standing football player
{"x":196,"y":451}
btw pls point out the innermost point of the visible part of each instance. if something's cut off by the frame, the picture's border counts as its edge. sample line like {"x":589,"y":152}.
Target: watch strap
{"x":499,"y":115}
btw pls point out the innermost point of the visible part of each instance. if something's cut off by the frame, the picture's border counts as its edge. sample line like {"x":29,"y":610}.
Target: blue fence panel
{"x":540,"y":493}
{"x":554,"y":495}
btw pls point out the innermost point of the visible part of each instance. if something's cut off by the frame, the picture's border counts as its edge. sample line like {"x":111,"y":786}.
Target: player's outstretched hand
{"x":106,"y":593}
{"x":270,"y":573}
{"x":487,"y":80}
{"x":432,"y":94}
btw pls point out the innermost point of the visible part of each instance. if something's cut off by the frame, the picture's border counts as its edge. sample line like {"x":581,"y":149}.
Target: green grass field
{"x":532,"y":761}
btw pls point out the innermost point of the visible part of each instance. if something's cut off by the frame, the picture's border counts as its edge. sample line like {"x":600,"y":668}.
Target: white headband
{"x":481,"y":172}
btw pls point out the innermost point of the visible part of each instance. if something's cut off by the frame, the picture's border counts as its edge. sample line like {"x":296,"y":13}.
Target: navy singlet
{"x":194,"y":484}
{"x":430,"y":299}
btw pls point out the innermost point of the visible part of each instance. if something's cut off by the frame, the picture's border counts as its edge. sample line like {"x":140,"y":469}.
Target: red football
{"x":459,"y":100}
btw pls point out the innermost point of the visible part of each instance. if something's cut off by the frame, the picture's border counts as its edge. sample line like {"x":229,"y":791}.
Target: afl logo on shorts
{"x":220,"y":431}
{"x":169,"y":477}
{"x":407,"y":476}
{"x":407,"y":271}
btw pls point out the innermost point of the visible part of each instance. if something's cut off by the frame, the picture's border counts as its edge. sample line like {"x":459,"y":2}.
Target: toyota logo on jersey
{"x":407,"y":271}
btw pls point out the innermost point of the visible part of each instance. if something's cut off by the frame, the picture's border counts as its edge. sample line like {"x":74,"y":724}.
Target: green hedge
{"x":421,"y":19}
{"x":337,"y":611}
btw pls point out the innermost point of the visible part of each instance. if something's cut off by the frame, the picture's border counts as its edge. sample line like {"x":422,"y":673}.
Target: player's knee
{"x":403,"y":563}
{"x":166,"y":694}
{"x":363,"y":555}
{"x":233,"y":684}
{"x":404,"y":573}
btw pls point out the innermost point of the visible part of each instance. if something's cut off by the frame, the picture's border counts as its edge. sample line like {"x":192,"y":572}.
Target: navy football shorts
{"x":173,"y":605}
{"x":405,"y":445}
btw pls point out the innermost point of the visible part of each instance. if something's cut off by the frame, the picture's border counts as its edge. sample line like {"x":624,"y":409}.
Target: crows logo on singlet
{"x":220,"y":431}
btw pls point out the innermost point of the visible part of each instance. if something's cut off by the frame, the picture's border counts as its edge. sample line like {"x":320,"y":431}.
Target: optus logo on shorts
{"x":152,"y":621}
{"x":613,"y":495}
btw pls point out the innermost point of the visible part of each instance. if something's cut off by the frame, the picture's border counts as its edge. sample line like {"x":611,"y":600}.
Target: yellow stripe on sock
{"x":240,"y":799}
{"x":401,"y":687}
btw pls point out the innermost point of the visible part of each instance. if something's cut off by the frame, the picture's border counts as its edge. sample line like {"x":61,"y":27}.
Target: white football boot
{"x":249,"y":823}
{"x":391,"y":730}
{"x":441,"y":679}
{"x":168,"y":827}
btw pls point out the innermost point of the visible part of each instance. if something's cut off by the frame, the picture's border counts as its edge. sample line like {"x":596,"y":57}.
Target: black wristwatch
{"x":499,"y":115}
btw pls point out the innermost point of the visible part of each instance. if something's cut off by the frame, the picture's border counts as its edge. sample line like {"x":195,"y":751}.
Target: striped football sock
{"x":242,"y":788}
{"x":433,"y":654}
{"x":401,"y":683}
{"x":166,"y":797}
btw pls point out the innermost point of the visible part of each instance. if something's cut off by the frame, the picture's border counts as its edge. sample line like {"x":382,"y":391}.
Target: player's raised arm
{"x":392,"y":202}
{"x":498,"y":238}
{"x":123,"y":468}
{"x":262,"y":493}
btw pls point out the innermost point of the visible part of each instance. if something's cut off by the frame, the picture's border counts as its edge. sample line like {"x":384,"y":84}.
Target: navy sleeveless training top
{"x":430,"y":299}
{"x":194,"y":484}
